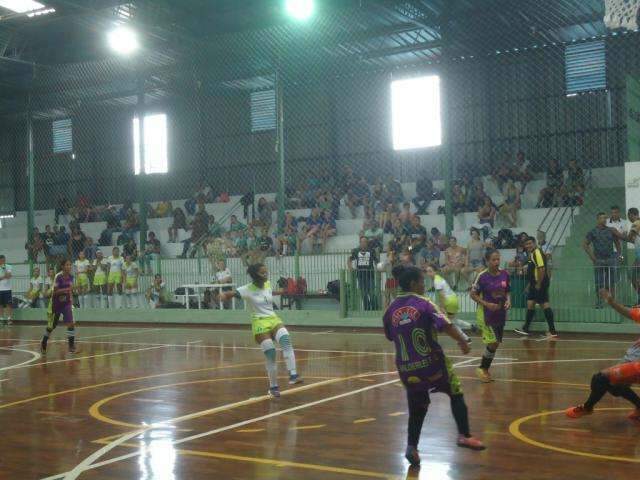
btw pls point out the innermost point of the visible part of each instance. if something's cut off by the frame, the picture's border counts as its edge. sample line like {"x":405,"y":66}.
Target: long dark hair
{"x":405,"y":275}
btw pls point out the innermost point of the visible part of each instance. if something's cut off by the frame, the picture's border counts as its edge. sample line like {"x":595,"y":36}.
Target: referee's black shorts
{"x":540,"y":296}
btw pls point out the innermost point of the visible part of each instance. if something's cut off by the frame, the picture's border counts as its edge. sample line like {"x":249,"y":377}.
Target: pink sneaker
{"x":470,"y":442}
{"x":635,"y":415}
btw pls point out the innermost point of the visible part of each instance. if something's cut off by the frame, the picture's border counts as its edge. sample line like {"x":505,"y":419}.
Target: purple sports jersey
{"x":62,"y":301}
{"x":411,"y":323}
{"x":493,"y":289}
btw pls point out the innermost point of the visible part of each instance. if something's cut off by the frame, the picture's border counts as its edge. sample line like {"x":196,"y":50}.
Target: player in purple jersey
{"x":412,"y":322}
{"x":491,"y":291}
{"x":61,"y":305}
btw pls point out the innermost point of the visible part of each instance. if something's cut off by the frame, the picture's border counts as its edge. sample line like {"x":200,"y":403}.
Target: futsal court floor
{"x":190,"y":403}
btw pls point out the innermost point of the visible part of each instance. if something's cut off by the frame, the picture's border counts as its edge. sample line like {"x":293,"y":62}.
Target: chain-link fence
{"x":525,"y":130}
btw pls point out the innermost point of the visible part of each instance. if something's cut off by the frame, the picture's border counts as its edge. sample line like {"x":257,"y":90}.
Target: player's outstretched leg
{"x":418,"y":403}
{"x":284,"y":340}
{"x":461,"y":416}
{"x":269,"y":350}
{"x":52,"y":322}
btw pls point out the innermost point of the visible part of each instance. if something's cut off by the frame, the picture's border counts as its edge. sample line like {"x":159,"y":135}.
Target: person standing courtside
{"x":539,"y":282}
{"x":599,"y":245}
{"x":6,"y":301}
{"x":365,"y":259}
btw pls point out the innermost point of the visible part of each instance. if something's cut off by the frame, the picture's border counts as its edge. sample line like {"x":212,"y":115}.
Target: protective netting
{"x":522,"y":150}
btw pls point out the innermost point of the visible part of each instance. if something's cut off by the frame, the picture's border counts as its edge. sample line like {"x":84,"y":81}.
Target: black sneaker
{"x":412,"y":456}
{"x":274,"y":392}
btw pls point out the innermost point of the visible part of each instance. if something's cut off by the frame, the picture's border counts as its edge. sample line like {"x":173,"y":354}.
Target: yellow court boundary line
{"x":95,"y":412}
{"x":157,"y":375}
{"x":514,"y":429}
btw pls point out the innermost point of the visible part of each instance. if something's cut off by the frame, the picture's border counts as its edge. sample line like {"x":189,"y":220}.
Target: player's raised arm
{"x":631,"y":313}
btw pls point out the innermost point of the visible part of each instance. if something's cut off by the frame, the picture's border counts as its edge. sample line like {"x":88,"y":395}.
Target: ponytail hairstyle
{"x":406,"y":275}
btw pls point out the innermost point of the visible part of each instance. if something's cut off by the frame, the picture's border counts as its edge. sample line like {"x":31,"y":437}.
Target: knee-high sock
{"x":45,"y":337}
{"x":71,"y":337}
{"x":284,"y":339}
{"x":461,"y":323}
{"x":487,"y":358}
{"x":599,"y":386}
{"x":629,"y":395}
{"x":269,"y":350}
{"x":529,"y":319}
{"x":418,"y":406}
{"x":548,"y":314}
{"x":460,"y":414}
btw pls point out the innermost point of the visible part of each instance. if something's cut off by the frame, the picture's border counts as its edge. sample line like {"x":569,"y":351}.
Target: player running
{"x":266,"y":325}
{"x":616,"y":380}
{"x":448,"y":301}
{"x":491,"y":292}
{"x":61,"y":305}
{"x":539,"y":282}
{"x":81,"y":267}
{"x":411,"y":322}
{"x":131,"y":274}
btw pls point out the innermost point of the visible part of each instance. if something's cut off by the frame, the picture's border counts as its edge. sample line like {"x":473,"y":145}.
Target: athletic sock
{"x":462,"y":334}
{"x":269,"y":350}
{"x":487,"y":358}
{"x":599,"y":386}
{"x":528,"y":320}
{"x":460,"y":414}
{"x":418,"y":407}
{"x":45,"y":338}
{"x":71,"y":337}
{"x":548,"y":314}
{"x":284,"y":339}
{"x":461,"y":324}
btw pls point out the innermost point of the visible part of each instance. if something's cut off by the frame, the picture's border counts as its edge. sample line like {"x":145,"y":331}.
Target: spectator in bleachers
{"x":430,"y":255}
{"x":131,"y":223}
{"x":459,"y":199}
{"x":388,"y":216}
{"x":223,"y":275}
{"x":77,"y":242}
{"x":347,"y":180}
{"x":406,"y":216}
{"x":501,"y":173}
{"x":373,"y":233}
{"x":521,"y":171}
{"x":130,"y":248}
{"x":601,"y":244}
{"x":549,"y":196}
{"x":235,"y":225}
{"x":61,"y":210}
{"x":265,"y":212}
{"x":509,"y":209}
{"x":575,"y":184}
{"x":365,"y":259}
{"x":179,"y":223}
{"x":311,"y":230}
{"x":216,"y":230}
{"x":476,"y":197}
{"x":519,"y":261}
{"x":90,"y":249}
{"x":34,"y":294}
{"x":358,"y":196}
{"x":616,"y":222}
{"x":455,"y":262}
{"x":151,"y":253}
{"x":324,"y":200}
{"x":163,"y":209}
{"x":394,"y":190}
{"x":424,"y":194}
{"x":378,"y":194}
{"x":476,"y":249}
{"x":199,"y":231}
{"x":439,"y":240}
{"x":417,"y":236}
{"x":329,"y":228}
{"x":487,"y":212}
{"x":399,"y":232}
{"x":35,"y":247}
{"x":203,"y":194}
{"x":48,"y":239}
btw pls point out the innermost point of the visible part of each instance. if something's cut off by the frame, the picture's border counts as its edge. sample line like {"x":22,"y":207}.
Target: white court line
{"x":146,"y":330}
{"x":34,"y":356}
{"x":470,"y":360}
{"x":65,"y":360}
{"x":320,"y":333}
{"x":86,"y":465}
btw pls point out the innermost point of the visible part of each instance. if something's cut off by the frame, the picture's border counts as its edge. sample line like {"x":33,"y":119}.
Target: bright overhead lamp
{"x":21,"y":6}
{"x":123,"y":40}
{"x":299,"y":9}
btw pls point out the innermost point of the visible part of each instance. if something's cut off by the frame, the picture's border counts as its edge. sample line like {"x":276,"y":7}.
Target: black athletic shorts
{"x":539,"y":296}
{"x":5,"y":298}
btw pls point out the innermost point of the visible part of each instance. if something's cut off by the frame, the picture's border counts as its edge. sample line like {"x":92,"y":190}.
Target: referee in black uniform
{"x":538,"y":288}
